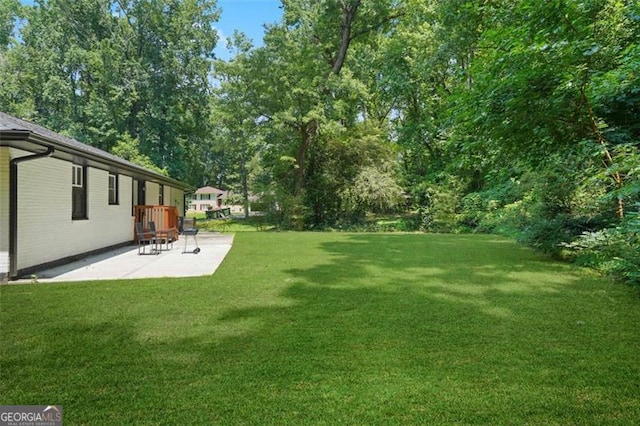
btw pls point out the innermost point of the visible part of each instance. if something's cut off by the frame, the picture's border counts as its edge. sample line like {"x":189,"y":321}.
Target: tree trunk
{"x":307,"y":134}
{"x":245,"y":184}
{"x":348,"y":15}
{"x":309,"y":130}
{"x":607,"y":160}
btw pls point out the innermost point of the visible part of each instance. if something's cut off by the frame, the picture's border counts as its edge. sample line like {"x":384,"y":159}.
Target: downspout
{"x":13,"y":204}
{"x":184,"y":203}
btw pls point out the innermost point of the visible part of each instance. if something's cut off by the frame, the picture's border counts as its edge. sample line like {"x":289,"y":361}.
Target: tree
{"x":11,"y":98}
{"x":100,"y":70}
{"x":9,"y":10}
{"x":236,"y":119}
{"x":168,"y":46}
{"x":531,"y":98}
{"x":308,"y":92}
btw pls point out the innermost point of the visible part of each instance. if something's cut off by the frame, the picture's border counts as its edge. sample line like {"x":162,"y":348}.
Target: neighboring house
{"x":210,"y":198}
{"x":61,"y":199}
{"x":206,"y":198}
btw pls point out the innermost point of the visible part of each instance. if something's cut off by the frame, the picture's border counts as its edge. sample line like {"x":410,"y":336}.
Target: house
{"x":61,"y":199}
{"x":206,"y":198}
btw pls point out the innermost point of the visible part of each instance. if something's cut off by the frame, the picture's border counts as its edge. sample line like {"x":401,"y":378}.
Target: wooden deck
{"x":165,"y":219}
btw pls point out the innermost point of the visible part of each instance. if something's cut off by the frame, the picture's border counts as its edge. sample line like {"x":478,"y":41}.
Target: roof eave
{"x":7,"y":136}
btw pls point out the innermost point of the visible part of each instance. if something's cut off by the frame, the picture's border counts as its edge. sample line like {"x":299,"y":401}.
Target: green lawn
{"x":333,"y":328}
{"x":236,"y":224}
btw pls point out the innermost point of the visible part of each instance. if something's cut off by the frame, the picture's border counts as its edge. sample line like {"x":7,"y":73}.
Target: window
{"x":79,"y":192}
{"x":161,"y":195}
{"x":78,"y":176}
{"x":113,"y":188}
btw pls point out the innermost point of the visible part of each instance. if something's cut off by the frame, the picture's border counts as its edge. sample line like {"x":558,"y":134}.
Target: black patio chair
{"x":163,"y":236}
{"x":146,"y":238}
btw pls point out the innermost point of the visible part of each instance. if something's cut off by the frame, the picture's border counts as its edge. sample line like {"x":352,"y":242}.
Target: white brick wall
{"x":46,"y":231}
{"x":135,"y":191}
{"x":5,"y":158}
{"x":152,"y":193}
{"x":174,"y":197}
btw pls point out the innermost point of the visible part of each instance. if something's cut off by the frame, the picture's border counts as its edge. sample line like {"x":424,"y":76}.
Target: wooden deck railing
{"x":165,"y":219}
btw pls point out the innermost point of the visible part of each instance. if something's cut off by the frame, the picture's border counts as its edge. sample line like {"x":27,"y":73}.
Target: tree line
{"x":519,"y":117}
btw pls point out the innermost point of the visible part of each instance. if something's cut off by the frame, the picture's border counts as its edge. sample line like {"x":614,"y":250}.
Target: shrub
{"x":287,"y":211}
{"x":613,"y":251}
{"x":474,"y":208}
{"x":510,"y":219}
{"x":374,"y":190}
{"x":438,"y":204}
{"x":551,"y":235}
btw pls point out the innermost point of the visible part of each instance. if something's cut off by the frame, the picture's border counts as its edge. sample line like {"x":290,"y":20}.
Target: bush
{"x":508,"y":220}
{"x":438,"y":204}
{"x":374,"y":190}
{"x":474,"y":208}
{"x":613,"y":251}
{"x":287,"y":212}
{"x":551,"y":235}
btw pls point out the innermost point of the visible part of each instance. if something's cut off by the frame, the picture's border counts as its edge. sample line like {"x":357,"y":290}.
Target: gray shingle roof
{"x":9,"y":124}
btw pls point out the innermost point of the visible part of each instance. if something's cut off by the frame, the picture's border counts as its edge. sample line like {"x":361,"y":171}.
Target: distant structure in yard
{"x":206,"y":198}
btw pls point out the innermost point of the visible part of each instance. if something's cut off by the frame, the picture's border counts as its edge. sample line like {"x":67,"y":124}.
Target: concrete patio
{"x":126,"y":263}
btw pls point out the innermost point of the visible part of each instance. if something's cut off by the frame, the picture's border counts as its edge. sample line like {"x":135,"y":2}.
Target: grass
{"x":232,"y":224}
{"x":330,"y":328}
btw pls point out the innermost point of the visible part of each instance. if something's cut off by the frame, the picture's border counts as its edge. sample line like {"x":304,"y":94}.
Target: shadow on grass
{"x":379,"y":329}
{"x":441,"y":329}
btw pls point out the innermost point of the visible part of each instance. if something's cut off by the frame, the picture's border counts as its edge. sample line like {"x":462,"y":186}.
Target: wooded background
{"x":513,"y":116}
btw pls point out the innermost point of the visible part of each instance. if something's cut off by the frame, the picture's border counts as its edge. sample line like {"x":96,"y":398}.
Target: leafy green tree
{"x":11,"y":98}
{"x":98,"y":70}
{"x":544,"y":80}
{"x":9,"y":10}
{"x":129,"y":149}
{"x":236,"y":120}
{"x":309,"y":94}
{"x":169,"y":46}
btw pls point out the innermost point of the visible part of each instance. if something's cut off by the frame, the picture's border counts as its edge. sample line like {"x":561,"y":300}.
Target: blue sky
{"x":248,"y":16}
